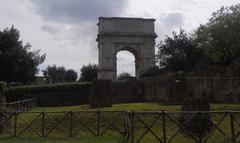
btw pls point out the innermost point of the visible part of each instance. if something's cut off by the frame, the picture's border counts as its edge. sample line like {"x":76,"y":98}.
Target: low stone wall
{"x":101,"y":94}
{"x":168,"y":90}
{"x":127,"y":91}
{"x":174,"y":89}
{"x":162,"y":89}
{"x":158,"y":89}
{"x":104,"y":92}
{"x":219,"y":89}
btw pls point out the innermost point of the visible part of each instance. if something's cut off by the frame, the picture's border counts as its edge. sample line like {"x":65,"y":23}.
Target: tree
{"x":177,"y":53}
{"x":56,"y":74}
{"x":89,"y":72}
{"x":219,"y":38}
{"x":154,"y":71}
{"x":125,"y":76}
{"x":51,"y":74}
{"x":61,"y":72}
{"x":3,"y":86}
{"x":71,"y":76}
{"x":17,"y":62}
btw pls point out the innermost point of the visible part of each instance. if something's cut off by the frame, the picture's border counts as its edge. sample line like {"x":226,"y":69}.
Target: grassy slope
{"x":132,"y":106}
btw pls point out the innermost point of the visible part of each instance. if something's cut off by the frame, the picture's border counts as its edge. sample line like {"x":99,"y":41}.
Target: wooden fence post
{"x":164,"y":127}
{"x":15,"y":124}
{"x":200,"y":114}
{"x":232,"y":126}
{"x":131,"y":115}
{"x":98,"y":123}
{"x":43,"y":124}
{"x":71,"y":124}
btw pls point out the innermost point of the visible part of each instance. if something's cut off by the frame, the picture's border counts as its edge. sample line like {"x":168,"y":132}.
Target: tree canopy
{"x":125,"y":76}
{"x":177,"y":53}
{"x":71,"y":76}
{"x":55,"y":74}
{"x":18,"y":63}
{"x":219,"y":38}
{"x":214,"y":43}
{"x":88,"y":72}
{"x":154,"y":71}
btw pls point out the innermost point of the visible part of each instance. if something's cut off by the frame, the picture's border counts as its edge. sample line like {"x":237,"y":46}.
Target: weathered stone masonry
{"x":136,"y":35}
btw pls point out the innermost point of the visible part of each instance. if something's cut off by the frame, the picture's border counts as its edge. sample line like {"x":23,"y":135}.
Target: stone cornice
{"x":153,"y":35}
{"x":128,"y":18}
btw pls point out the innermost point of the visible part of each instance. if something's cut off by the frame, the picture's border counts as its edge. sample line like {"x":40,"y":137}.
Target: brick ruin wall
{"x":173,"y":90}
{"x":219,"y":89}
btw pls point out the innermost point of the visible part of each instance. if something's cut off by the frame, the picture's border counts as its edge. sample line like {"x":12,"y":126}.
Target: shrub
{"x":3,"y":86}
{"x":200,"y":123}
{"x":59,"y":94}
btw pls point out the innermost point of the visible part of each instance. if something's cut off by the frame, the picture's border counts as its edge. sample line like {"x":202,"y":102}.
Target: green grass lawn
{"x":135,"y":107}
{"x":109,"y":136}
{"x":60,"y":140}
{"x":115,"y":107}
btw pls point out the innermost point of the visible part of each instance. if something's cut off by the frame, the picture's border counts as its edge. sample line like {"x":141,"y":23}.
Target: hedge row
{"x":63,"y":94}
{"x":3,"y":86}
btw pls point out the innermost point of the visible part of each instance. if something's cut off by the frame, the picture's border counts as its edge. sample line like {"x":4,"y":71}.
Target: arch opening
{"x":125,"y":63}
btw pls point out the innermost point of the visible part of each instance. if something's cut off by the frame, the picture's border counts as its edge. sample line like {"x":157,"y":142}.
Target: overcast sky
{"x":66,"y":29}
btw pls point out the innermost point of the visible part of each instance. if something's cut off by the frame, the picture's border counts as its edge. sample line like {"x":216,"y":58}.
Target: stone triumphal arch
{"x":136,"y":35}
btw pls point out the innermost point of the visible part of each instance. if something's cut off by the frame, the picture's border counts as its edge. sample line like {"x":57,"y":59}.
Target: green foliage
{"x":71,"y":76}
{"x":18,"y":63}
{"x":219,"y":38}
{"x":178,"y":53}
{"x":214,"y":43}
{"x":55,"y":74}
{"x":3,"y":86}
{"x":89,"y":72}
{"x":52,"y":94}
{"x":46,"y":87}
{"x":125,"y":76}
{"x":152,"y":72}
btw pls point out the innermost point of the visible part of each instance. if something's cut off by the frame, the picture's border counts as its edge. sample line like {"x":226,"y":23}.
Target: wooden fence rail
{"x":131,"y":126}
{"x":21,"y":105}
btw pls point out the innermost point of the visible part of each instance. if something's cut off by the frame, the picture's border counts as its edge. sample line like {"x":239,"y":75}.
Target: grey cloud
{"x":75,"y":20}
{"x":72,"y":11}
{"x":50,"y":29}
{"x":174,"y":19}
{"x":169,"y":22}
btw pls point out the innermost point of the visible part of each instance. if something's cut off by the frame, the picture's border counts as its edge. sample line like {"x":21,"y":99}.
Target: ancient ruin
{"x":136,"y":35}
